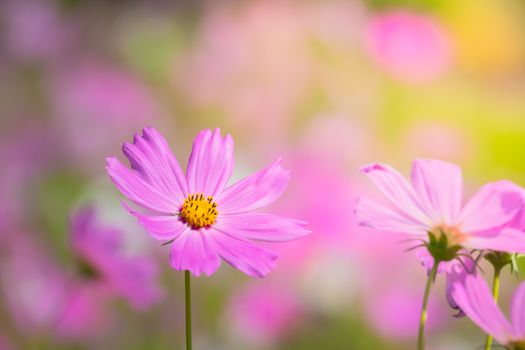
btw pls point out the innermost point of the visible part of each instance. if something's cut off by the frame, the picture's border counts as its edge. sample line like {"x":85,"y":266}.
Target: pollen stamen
{"x":199,"y":211}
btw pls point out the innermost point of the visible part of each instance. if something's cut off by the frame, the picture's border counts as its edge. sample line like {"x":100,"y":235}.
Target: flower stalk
{"x":187,"y":293}
{"x":498,"y":260}
{"x":423,"y":317}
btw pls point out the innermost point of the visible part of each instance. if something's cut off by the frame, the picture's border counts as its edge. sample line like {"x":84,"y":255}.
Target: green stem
{"x":187,"y":289}
{"x":423,"y":318}
{"x":495,"y":295}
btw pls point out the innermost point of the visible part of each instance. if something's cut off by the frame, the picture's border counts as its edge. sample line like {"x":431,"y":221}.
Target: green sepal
{"x":439,"y":248}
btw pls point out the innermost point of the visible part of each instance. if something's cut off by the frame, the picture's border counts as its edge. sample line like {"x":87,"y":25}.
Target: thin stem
{"x":187,"y":288}
{"x":495,"y":296}
{"x":423,"y":319}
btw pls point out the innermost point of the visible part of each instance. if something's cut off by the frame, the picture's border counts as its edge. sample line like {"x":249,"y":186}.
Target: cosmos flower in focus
{"x":201,"y":217}
{"x":431,"y":209}
{"x":473,"y":296}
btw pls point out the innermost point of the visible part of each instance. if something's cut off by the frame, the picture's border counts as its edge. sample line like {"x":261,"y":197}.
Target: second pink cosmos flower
{"x":203,"y":218}
{"x":433,"y":202}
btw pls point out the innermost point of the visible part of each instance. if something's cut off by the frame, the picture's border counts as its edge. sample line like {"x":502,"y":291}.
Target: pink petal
{"x":211,"y":163}
{"x":398,"y":191}
{"x":132,"y":186}
{"x":379,"y":217}
{"x":517,"y":311}
{"x":262,"y":227}
{"x":493,"y":206}
{"x":456,"y":274}
{"x":474,"y":298}
{"x":195,"y":251}
{"x":152,"y":158}
{"x":161,"y":227}
{"x":507,"y":240}
{"x":255,"y":191}
{"x":250,"y":258}
{"x":439,"y":186}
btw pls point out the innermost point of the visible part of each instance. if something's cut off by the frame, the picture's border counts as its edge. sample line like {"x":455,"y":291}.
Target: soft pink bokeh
{"x":262,"y":313}
{"x":101,"y":102}
{"x":412,"y":47}
{"x":35,"y":30}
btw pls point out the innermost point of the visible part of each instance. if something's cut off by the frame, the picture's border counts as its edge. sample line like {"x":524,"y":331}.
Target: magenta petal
{"x":136,"y":189}
{"x":152,"y":158}
{"x":255,"y":191}
{"x":379,"y":217}
{"x":161,"y":227}
{"x":517,"y":311}
{"x":398,"y":191}
{"x":456,"y":274}
{"x":211,"y":163}
{"x":473,"y":297}
{"x":250,"y":258}
{"x":262,"y":227}
{"x":195,"y":251}
{"x":439,"y":186}
{"x":508,"y":240}
{"x":493,"y":206}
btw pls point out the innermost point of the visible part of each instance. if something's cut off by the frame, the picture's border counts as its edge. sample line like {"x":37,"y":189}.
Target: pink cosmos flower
{"x":433,"y":203}
{"x":473,"y":296}
{"x":103,"y":263}
{"x":204,"y":219}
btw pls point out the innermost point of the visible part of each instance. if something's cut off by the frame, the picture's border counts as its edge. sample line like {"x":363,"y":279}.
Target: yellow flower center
{"x":199,"y":211}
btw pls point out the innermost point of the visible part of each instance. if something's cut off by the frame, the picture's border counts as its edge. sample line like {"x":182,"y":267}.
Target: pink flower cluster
{"x":74,"y":304}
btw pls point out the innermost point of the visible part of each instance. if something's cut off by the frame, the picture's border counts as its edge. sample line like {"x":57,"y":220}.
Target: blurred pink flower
{"x":473,"y":296}
{"x":5,"y":344}
{"x":73,"y":305}
{"x":34,"y":29}
{"x":101,"y":101}
{"x":438,"y":140}
{"x":40,"y":300}
{"x":239,"y":61}
{"x":202,"y":218}
{"x":333,"y":137}
{"x":262,"y":314}
{"x":31,"y":150}
{"x":433,"y":203}
{"x":84,"y":312}
{"x":394,"y":311}
{"x":103,"y":262}
{"x":412,"y":47}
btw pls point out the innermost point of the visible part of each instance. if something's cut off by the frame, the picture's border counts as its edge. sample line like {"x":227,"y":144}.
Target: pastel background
{"x":327,"y":85}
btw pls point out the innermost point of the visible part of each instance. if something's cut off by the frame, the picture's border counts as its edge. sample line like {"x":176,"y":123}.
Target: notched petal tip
{"x":278,"y":167}
{"x":373,"y":167}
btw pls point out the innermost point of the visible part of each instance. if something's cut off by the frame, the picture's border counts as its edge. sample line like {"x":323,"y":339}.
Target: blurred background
{"x":327,"y":85}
